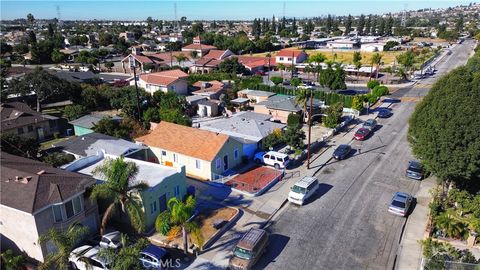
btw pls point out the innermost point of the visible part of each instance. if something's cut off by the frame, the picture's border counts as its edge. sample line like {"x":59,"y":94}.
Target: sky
{"x":206,"y":10}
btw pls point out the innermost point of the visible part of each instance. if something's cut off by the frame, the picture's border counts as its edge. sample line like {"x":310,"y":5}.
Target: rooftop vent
{"x":26,"y":179}
{"x":41,"y":172}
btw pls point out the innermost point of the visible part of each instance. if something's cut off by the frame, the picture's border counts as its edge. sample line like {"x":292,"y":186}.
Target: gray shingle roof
{"x":90,"y":144}
{"x":246,"y":127}
{"x":88,"y":121}
{"x":17,"y":114}
{"x":43,"y":189}
{"x":284,"y":103}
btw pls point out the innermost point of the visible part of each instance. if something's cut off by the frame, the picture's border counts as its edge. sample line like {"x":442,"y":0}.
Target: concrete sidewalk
{"x":409,"y":254}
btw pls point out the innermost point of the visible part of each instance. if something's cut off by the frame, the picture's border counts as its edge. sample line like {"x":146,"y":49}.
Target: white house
{"x":372,"y":47}
{"x":342,"y":44}
{"x":170,"y":80}
{"x":286,"y":56}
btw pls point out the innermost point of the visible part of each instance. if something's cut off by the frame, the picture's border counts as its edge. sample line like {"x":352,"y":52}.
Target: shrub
{"x":334,"y":115}
{"x":380,"y":90}
{"x":72,"y":112}
{"x":372,"y":84}
{"x":293,"y":120}
{"x":58,"y":159}
{"x":276,"y":80}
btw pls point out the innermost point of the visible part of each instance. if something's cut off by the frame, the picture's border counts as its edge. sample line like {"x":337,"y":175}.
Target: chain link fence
{"x":439,"y":264}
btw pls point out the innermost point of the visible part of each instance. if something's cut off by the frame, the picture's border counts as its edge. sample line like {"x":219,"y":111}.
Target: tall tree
{"x":376,"y":59}
{"x":357,"y":60}
{"x":294,"y":26}
{"x":389,"y":26}
{"x":443,"y":129}
{"x":373,"y":29}
{"x":368,"y":25}
{"x":42,"y":83}
{"x":119,"y":188}
{"x":273,"y":25}
{"x":361,"y":25}
{"x":64,"y":243}
{"x":381,"y":27}
{"x":348,"y":25}
{"x":459,"y":23}
{"x":329,"y":24}
{"x":30,"y":19}
{"x":177,"y":218}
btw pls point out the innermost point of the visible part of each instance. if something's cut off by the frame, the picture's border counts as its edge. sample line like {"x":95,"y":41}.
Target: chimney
{"x":41,"y":172}
{"x":17,"y":178}
{"x":26,"y":179}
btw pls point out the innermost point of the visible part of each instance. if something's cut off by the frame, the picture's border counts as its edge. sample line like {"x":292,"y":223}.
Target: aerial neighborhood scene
{"x":240,"y":135}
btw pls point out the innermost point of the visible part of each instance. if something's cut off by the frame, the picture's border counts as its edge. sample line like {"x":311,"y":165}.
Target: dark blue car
{"x":384,"y":113}
{"x":151,"y":257}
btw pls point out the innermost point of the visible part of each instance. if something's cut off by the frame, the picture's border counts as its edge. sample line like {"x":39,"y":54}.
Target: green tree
{"x":361,"y":25}
{"x":293,"y":120}
{"x":72,"y":112}
{"x":407,"y":60}
{"x":276,"y":80}
{"x":444,"y":127}
{"x":295,"y":82}
{"x":120,"y":188}
{"x":126,"y":100}
{"x":281,"y":67}
{"x":58,"y":159}
{"x":357,"y":103}
{"x":451,"y":224}
{"x":151,"y":115}
{"x":348,"y":25}
{"x":19,"y":146}
{"x":372,"y":84}
{"x":231,"y":65}
{"x":357,"y":60}
{"x":109,"y":65}
{"x":333,"y":115}
{"x":301,"y":98}
{"x":64,"y":243}
{"x":177,"y":218}
{"x":30,"y":19}
{"x":376,"y":60}
{"x":380,"y":90}
{"x":293,"y":137}
{"x":126,"y":257}
{"x":58,"y":56}
{"x":390,"y":44}
{"x":181,"y":58}
{"x":10,"y":261}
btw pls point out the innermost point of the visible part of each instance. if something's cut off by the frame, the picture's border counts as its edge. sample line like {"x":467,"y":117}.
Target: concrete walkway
{"x":410,"y":251}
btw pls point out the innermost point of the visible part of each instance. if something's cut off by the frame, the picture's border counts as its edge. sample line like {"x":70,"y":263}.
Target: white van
{"x":303,"y":190}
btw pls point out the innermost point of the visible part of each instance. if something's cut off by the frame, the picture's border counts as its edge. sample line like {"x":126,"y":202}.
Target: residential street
{"x":349,"y":218}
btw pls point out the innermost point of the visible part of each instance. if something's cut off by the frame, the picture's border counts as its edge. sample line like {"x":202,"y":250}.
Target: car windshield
{"x":415,"y":169}
{"x":398,"y":204}
{"x":242,"y":253}
{"x":298,"y":189}
{"x":361,"y":131}
{"x":369,"y":122}
{"x":342,"y":148}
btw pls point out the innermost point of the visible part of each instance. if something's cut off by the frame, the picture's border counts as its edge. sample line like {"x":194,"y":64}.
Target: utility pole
{"x":309,"y":128}
{"x":291,"y":73}
{"x":268,"y":73}
{"x":133,"y":65}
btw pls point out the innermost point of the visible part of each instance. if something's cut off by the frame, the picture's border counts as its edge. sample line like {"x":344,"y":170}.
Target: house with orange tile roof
{"x":206,"y":155}
{"x":289,"y":56}
{"x":210,"y":62}
{"x":173,"y":80}
{"x":209,"y":89}
{"x":201,"y":49}
{"x":256,"y":63}
{"x":139,"y":61}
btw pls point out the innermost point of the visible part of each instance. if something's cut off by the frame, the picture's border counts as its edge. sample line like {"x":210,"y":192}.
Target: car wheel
{"x":257,"y":161}
{"x":276,"y":166}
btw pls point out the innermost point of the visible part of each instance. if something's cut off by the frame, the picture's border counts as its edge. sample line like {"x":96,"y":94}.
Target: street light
{"x":134,"y":66}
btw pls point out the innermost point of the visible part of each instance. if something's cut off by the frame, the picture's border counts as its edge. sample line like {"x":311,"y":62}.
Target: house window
{"x":20,"y":130}
{"x":235,"y":153}
{"x":281,"y":58}
{"x":175,"y":158}
{"x":164,"y":153}
{"x":57,"y":212}
{"x":289,"y":59}
{"x":176,"y":191}
{"x":218,"y":163}
{"x":30,"y":128}
{"x":153,"y":207}
{"x":73,"y":207}
{"x":198,"y":164}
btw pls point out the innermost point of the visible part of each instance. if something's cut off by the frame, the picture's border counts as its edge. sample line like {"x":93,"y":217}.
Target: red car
{"x":361,"y":134}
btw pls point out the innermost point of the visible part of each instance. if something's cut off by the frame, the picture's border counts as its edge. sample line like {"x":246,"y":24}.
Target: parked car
{"x":400,"y":204}
{"x":111,"y":240}
{"x":342,"y":151}
{"x":414,"y":170}
{"x":384,"y":113}
{"x":85,"y":257}
{"x":249,"y":249}
{"x":370,"y":124}
{"x":361,"y":134}
{"x":303,"y":189}
{"x":152,"y":256}
{"x":272,"y":158}
{"x":286,"y":82}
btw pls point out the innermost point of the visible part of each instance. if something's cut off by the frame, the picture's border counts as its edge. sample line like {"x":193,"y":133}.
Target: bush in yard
{"x":276,"y":80}
{"x":58,"y":159}
{"x":372,"y":84}
{"x":357,"y":103}
{"x":72,"y":112}
{"x":293,"y":120}
{"x":380,"y":90}
{"x":293,"y":137}
{"x":334,"y":115}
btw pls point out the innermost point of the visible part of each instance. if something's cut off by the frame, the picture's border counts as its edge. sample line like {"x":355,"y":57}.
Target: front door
{"x":225,"y":162}
{"x":162,"y":203}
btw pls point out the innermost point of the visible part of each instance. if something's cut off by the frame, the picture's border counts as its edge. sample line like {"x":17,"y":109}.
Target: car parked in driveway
{"x":400,"y":204}
{"x":361,"y":134}
{"x":384,"y":113}
{"x":415,"y":170}
{"x":370,"y":124}
{"x":272,"y":158}
{"x":86,"y":257}
{"x":342,"y":151}
{"x":111,"y":240}
{"x":152,"y":256}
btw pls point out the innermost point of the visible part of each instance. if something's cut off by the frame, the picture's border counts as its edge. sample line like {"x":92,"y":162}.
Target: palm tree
{"x":301,"y":98}
{"x":119,"y":188}
{"x":451,"y":224}
{"x":376,"y":59}
{"x":64,"y":242}
{"x":317,"y":58}
{"x":178,"y":218}
{"x":281,"y":67}
{"x":194,"y":54}
{"x":181,"y":58}
{"x":357,"y":61}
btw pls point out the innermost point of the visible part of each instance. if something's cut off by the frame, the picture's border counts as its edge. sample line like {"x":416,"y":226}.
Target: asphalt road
{"x":347,"y":226}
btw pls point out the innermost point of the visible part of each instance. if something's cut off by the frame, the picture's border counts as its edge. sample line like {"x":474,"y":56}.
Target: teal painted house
{"x":84,"y":125}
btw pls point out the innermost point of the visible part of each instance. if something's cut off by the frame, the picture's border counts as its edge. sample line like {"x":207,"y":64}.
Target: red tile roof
{"x":214,"y":86}
{"x":216,"y":54}
{"x":163,"y":77}
{"x":289,"y":53}
{"x":207,"y":62}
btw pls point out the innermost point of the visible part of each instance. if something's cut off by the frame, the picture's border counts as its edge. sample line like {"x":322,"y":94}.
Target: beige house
{"x":255,"y":96}
{"x":279,"y":107}
{"x":173,"y":80}
{"x":206,"y":155}
{"x":36,"y":197}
